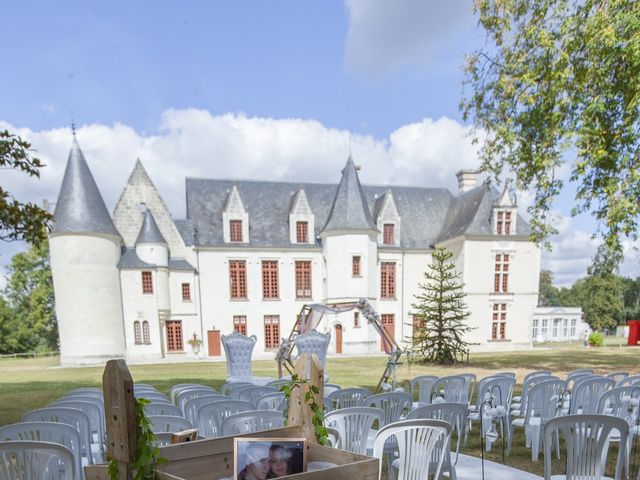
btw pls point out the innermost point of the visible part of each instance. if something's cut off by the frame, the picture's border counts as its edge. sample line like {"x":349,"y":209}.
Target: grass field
{"x":26,"y":384}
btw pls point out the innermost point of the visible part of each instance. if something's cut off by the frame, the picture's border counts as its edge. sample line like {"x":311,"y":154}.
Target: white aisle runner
{"x":470,"y":468}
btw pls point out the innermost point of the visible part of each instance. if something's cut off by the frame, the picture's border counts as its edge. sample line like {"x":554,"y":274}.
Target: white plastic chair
{"x":96,"y":422}
{"x":470,"y":383}
{"x":519,"y":409}
{"x":238,"y":349}
{"x":168,"y":423}
{"x":354,"y":425}
{"x":53,"y":432}
{"x":162,"y":409}
{"x":452,"y":388}
{"x":186,"y":394}
{"x":251,"y":394}
{"x":149,"y":395}
{"x":348,"y":397}
{"x":501,"y":387}
{"x":586,"y":394}
{"x":71,"y":416}
{"x":192,"y":406}
{"x":453,"y":413}
{"x":421,"y":445}
{"x":252,"y":421}
{"x":28,"y":460}
{"x":618,"y":376}
{"x":394,"y":405}
{"x":328,"y":388}
{"x":543,"y":404}
{"x":229,"y":387}
{"x":518,"y":398}
{"x":630,"y":380}
{"x":173,"y":391}
{"x":579,"y":372}
{"x":587,"y":442}
{"x":271,"y":401}
{"x":424,"y":384}
{"x":211,"y":416}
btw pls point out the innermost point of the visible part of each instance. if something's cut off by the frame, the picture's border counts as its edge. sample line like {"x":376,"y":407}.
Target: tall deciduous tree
{"x":557,"y":83}
{"x":31,"y":324}
{"x":602,"y":301}
{"x":548,"y":293}
{"x":20,"y":220}
{"x":439,"y":337}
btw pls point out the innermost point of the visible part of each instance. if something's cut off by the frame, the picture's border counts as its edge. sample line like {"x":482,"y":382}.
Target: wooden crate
{"x":213,"y":460}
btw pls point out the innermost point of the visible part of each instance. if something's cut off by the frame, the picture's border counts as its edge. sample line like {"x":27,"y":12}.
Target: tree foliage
{"x":557,"y":83}
{"x":441,"y":306}
{"x":30,"y":324}
{"x":18,"y":220}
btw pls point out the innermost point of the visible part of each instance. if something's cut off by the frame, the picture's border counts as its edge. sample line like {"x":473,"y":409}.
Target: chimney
{"x":467,"y":180}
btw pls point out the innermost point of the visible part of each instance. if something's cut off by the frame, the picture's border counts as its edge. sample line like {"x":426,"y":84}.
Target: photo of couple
{"x":261,"y":459}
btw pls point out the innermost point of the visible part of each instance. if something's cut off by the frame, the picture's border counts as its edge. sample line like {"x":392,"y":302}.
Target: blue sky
{"x":260,"y":89}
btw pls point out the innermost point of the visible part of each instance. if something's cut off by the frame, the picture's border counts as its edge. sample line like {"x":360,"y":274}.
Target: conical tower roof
{"x":80,"y":207}
{"x":349,"y":210}
{"x":149,"y":232}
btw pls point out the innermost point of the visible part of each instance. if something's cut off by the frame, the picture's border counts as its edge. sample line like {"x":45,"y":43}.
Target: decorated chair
{"x":313,"y":342}
{"x":238,"y":349}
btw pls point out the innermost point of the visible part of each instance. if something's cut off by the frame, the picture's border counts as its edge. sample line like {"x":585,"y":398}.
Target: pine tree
{"x":438,"y":337}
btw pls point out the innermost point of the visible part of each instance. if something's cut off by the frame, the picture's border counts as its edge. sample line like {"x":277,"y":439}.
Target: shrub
{"x":596,"y":339}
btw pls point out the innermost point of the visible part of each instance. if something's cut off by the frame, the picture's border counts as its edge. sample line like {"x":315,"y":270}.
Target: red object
{"x":634,"y":332}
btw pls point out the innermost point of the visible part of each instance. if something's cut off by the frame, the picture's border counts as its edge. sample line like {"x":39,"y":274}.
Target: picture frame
{"x":262,"y":457}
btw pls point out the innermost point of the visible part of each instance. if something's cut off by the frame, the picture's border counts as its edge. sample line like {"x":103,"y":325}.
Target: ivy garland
{"x":147,"y":455}
{"x":317,"y":411}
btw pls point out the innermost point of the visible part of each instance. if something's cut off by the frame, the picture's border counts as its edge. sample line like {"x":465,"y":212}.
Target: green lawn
{"x":26,"y":384}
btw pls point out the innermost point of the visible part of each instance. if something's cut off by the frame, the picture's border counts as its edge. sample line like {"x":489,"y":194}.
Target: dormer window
{"x":388,"y":234}
{"x":503,"y":222}
{"x":235,"y":230}
{"x":302,"y":232}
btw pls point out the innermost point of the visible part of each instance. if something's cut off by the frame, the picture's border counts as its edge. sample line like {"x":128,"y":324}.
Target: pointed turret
{"x":349,"y":210}
{"x":80,"y":207}
{"x":150,"y":232}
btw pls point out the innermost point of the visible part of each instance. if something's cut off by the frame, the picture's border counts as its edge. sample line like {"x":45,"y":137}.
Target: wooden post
{"x":120,"y":415}
{"x":307,"y":367}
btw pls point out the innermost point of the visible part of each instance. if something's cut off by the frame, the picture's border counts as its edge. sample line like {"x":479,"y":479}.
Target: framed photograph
{"x":263,"y":458}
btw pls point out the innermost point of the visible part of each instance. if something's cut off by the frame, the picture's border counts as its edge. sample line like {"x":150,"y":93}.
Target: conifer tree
{"x":438,"y":337}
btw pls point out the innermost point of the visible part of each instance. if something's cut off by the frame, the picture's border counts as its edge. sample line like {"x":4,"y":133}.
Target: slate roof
{"x":349,"y":210}
{"x":80,"y":207}
{"x":149,"y":231}
{"x":130,"y":260}
{"x":180,"y":264}
{"x":430,"y":215}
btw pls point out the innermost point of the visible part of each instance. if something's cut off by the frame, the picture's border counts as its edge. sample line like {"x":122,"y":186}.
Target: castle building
{"x":141,"y":285}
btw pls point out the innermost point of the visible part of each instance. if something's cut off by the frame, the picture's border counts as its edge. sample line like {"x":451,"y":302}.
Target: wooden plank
{"x":300,"y":413}
{"x":120,"y":415}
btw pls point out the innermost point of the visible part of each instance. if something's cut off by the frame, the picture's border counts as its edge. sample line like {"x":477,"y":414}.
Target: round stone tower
{"x":85,"y":249}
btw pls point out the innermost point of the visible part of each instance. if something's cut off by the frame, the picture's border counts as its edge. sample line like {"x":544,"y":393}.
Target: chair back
{"x":313,"y":342}
{"x":71,"y":416}
{"x":452,"y":388}
{"x":630,"y":380}
{"x":229,"y":387}
{"x":162,"y":409}
{"x":528,"y":385}
{"x":238,"y":349}
{"x":586,"y":394}
{"x":392,"y":404}
{"x":545,"y":401}
{"x":535,"y":373}
{"x":424,"y":383}
{"x":253,"y":393}
{"x":348,"y":397}
{"x":252,"y":421}
{"x":59,"y":433}
{"x":150,"y":395}
{"x":271,"y":401}
{"x":420,"y":442}
{"x":353,"y":425}
{"x":505,"y":374}
{"x":501,"y":387}
{"x":168,"y":423}
{"x":617,"y":402}
{"x":173,"y":391}
{"x":328,"y":388}
{"x":96,"y":420}
{"x":453,"y":413}
{"x":579,"y":372}
{"x":186,"y":394}
{"x":29,"y":460}
{"x":618,"y":376}
{"x":211,"y":415}
{"x":192,"y":406}
{"x":586,"y":439}
{"x":470,"y":379}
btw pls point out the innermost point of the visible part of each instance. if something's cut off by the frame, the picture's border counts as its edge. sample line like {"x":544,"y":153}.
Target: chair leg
{"x":392,"y":473}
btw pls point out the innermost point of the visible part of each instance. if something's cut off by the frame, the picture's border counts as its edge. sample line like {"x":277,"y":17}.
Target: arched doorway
{"x":338,"y":329}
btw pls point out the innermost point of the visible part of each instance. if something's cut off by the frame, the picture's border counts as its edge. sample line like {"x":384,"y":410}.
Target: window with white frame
{"x":573,"y":327}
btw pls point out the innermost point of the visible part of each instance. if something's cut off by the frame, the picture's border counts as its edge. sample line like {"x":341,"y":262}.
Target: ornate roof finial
{"x":73,"y":126}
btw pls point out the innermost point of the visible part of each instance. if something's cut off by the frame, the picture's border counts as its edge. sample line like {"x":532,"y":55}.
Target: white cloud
{"x":384,"y":35}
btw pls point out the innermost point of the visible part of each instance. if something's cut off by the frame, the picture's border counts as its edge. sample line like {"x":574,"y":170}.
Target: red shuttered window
{"x":235,"y":230}
{"x":238,"y":279}
{"x":503,"y":222}
{"x":240,"y":324}
{"x":271,"y":331}
{"x":499,"y":321}
{"x":270,"y":288}
{"x":174,"y":335}
{"x":388,"y":234}
{"x":301,"y":232}
{"x":501,"y":273}
{"x":303,"y":279}
{"x":147,"y":283}
{"x":186,"y":292}
{"x":355,"y":266}
{"x":387,"y":280}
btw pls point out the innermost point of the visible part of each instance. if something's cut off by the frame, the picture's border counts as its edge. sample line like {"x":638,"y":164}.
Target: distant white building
{"x":250,"y":254}
{"x":558,"y":324}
